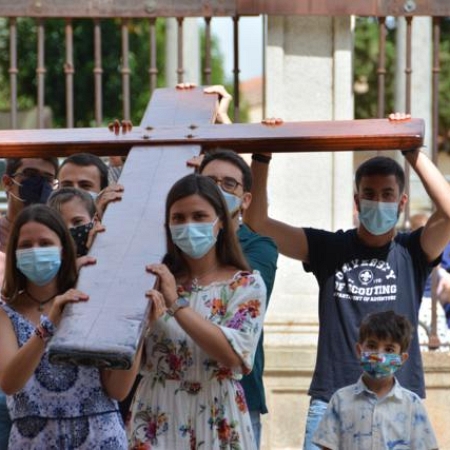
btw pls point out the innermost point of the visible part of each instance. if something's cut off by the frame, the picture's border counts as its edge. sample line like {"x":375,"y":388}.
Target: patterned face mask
{"x":380,"y":365}
{"x":80,"y":235}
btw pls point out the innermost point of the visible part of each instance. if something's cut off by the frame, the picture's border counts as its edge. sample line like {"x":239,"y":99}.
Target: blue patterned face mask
{"x":378,"y":217}
{"x":194,"y":239}
{"x":380,"y":365}
{"x":233,"y":201}
{"x":39,"y":264}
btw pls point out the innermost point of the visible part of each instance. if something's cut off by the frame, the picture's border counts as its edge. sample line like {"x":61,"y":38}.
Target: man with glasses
{"x":233,"y":176}
{"x":26,"y":181}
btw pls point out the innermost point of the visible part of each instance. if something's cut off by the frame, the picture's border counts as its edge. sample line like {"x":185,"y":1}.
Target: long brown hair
{"x":14,"y":280}
{"x":228,"y":249}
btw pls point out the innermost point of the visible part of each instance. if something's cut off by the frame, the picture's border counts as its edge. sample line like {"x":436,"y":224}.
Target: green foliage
{"x":83,"y":38}
{"x":366,"y":66}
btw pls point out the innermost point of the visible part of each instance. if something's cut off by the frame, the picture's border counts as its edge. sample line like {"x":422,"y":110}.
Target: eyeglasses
{"x":29,"y":172}
{"x":228,"y":184}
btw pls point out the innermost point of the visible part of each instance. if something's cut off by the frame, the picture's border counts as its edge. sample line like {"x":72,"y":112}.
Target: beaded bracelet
{"x":46,"y":329}
{"x":261,"y":158}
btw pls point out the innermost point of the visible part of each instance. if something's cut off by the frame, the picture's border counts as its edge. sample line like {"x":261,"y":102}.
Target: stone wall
{"x":287,"y":377}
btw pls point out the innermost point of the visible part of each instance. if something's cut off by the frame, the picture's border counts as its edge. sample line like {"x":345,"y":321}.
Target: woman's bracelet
{"x":261,"y":158}
{"x":46,"y":329}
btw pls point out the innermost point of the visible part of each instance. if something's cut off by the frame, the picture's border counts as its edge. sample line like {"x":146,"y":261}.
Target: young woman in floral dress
{"x":190,"y":396}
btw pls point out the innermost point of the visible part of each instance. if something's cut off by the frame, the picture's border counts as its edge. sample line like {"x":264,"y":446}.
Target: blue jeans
{"x":316,"y":411}
{"x":255,"y":417}
{"x":5,"y":422}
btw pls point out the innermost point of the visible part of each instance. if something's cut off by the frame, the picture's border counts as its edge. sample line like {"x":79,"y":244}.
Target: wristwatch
{"x":179,"y":303}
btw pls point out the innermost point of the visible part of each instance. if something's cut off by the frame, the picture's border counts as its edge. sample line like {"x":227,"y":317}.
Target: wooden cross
{"x":177,"y":125}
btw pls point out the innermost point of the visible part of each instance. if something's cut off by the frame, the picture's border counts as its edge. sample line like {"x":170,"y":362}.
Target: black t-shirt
{"x":355,"y":280}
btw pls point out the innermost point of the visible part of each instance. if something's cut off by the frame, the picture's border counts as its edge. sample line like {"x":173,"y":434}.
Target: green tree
{"x":83,"y":31}
{"x":366,"y":66}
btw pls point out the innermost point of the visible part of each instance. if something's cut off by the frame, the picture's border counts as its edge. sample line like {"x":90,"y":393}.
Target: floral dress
{"x":62,"y":407}
{"x":187,"y":400}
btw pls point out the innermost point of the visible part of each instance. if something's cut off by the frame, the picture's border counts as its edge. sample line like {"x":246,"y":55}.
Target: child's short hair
{"x":387,"y":325}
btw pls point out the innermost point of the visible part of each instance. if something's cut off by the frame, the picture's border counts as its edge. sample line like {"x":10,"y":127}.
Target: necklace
{"x":195,"y":280}
{"x":41,"y":303}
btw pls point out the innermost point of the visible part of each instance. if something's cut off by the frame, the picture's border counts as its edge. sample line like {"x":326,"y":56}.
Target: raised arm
{"x":436,"y":233}
{"x":291,"y":241}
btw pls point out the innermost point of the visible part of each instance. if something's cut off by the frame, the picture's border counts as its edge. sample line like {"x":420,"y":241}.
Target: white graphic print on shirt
{"x":366,"y":280}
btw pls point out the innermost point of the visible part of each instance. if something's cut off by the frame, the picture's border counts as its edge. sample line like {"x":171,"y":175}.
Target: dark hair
{"x":88,"y":159}
{"x":66,"y":194}
{"x":13,"y":164}
{"x":387,"y":325}
{"x":381,"y":165}
{"x":15,"y":281}
{"x":227,"y":246}
{"x":233,"y":158}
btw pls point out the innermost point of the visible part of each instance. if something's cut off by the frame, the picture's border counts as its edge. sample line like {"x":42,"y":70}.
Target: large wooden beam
{"x":107,"y":330}
{"x":209,"y":8}
{"x":368,"y":134}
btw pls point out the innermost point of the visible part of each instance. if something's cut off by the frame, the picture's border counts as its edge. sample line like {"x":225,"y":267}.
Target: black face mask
{"x":35,"y":189}
{"x":80,"y":235}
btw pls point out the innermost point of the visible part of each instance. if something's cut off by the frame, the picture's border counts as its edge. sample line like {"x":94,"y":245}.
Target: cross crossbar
{"x":351,"y":135}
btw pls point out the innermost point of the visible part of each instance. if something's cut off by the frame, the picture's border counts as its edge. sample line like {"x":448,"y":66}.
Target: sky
{"x":250,"y":47}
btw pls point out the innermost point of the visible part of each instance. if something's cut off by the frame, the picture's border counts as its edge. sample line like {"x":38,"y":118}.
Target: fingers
{"x":85,"y":261}
{"x":185,"y":86}
{"x":158,"y":305}
{"x":195,"y":161}
{"x":157,"y":269}
{"x":218,"y":89}
{"x":71,"y":296}
{"x":272,"y":121}
{"x":399,"y":116}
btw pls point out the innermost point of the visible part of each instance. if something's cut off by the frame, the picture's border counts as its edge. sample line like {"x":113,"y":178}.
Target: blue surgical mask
{"x":39,"y":264}
{"x":194,"y":239}
{"x":233,"y":201}
{"x":380,"y":365}
{"x":378,"y":217}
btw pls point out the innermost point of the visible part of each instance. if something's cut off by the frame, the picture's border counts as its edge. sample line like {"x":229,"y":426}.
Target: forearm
{"x":432,"y":179}
{"x":118,"y":383}
{"x":436,"y":232}
{"x":256,"y":216}
{"x":22,"y":365}
{"x":208,"y":337}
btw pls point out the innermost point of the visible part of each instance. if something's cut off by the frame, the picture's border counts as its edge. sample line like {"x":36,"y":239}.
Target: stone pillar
{"x":191,"y":51}
{"x":421,"y":82}
{"x":309,"y":77}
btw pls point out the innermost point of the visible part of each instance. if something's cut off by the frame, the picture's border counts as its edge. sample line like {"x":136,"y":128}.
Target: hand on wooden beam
{"x":272,"y":121}
{"x":402,"y":117}
{"x":225,"y":99}
{"x":106,"y":196}
{"x":158,"y":307}
{"x":195,"y":162}
{"x":117,"y":125}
